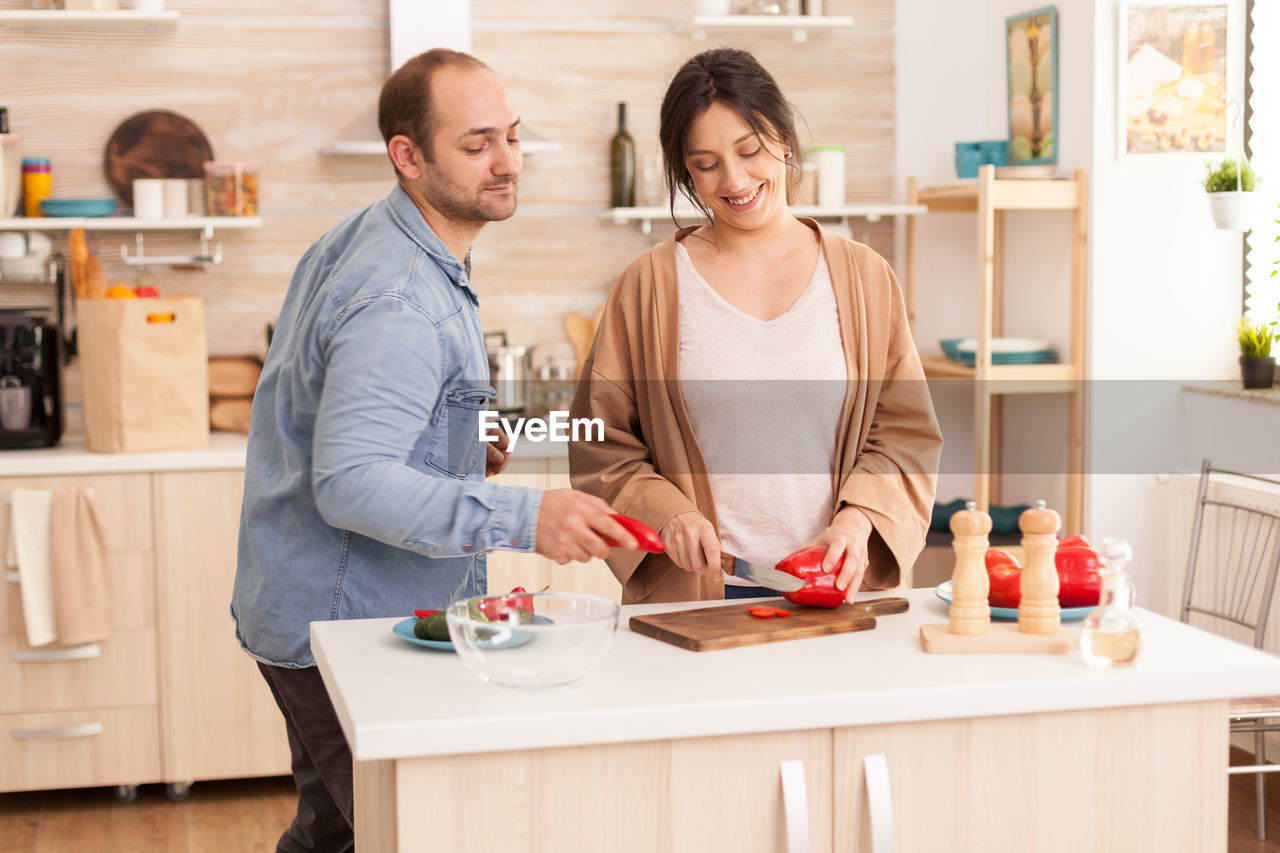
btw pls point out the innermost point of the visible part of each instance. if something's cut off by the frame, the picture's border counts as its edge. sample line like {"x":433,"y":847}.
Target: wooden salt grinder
{"x":970,"y":613}
{"x":1039,"y":612}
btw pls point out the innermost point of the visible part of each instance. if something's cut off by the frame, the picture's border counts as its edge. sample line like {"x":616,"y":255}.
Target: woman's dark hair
{"x":734,"y":78}
{"x":404,"y":107}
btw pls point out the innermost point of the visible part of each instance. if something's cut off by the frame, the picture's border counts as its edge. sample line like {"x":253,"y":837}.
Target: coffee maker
{"x":30,"y":379}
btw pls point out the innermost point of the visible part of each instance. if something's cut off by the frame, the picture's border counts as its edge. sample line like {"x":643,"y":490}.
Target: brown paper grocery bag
{"x":146,"y":374}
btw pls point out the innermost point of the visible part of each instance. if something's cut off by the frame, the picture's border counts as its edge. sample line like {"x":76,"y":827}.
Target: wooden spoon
{"x":581,"y":332}
{"x":95,"y":282}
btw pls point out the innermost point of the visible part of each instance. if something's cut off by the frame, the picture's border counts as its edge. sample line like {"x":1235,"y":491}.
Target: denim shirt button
{"x":515,"y":541}
{"x":466,"y":548}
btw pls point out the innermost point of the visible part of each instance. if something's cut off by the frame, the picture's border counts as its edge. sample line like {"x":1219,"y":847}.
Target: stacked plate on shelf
{"x":1003,"y":351}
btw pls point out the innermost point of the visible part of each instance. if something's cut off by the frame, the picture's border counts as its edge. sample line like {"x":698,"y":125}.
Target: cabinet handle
{"x":85,"y":652}
{"x":875,"y":770}
{"x":795,"y":806}
{"x":58,"y":732}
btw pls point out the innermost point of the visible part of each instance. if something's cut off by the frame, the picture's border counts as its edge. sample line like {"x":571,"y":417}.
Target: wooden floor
{"x":247,"y":816}
{"x":244,"y":815}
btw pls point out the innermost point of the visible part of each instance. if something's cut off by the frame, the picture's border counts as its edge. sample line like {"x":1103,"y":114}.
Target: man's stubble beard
{"x":460,"y":204}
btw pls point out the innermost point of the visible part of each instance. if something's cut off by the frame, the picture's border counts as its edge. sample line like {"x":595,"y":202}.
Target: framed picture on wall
{"x":1031,"y":52}
{"x":1181,"y":79}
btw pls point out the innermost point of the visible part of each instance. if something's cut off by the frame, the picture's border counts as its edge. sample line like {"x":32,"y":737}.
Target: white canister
{"x":195,"y":196}
{"x":148,"y":7}
{"x":830,"y":160}
{"x":175,"y":197}
{"x":148,"y":198}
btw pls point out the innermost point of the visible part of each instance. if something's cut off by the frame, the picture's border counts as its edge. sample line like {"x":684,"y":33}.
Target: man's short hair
{"x":404,"y":107}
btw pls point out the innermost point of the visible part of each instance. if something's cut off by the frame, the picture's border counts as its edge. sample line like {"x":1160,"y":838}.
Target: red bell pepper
{"x":498,"y":608}
{"x":647,"y":538}
{"x":819,"y":589}
{"x":1004,"y":577}
{"x":1079,"y":578}
{"x":1078,"y":539}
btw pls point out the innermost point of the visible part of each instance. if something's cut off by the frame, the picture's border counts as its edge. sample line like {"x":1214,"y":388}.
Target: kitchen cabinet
{"x":169,"y":696}
{"x":219,"y":719}
{"x":659,"y":748}
{"x":683,"y":796}
{"x":990,"y":199}
{"x":86,"y":715}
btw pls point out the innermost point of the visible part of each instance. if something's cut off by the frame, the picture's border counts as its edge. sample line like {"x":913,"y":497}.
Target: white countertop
{"x":397,"y":700}
{"x":226,"y":451}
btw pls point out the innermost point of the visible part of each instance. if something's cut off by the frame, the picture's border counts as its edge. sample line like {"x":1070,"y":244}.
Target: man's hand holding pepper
{"x":573,"y":527}
{"x":692,"y":543}
{"x":847,"y":534}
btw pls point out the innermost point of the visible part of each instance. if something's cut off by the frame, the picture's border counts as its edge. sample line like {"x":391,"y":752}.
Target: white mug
{"x":148,"y":198}
{"x":175,"y":197}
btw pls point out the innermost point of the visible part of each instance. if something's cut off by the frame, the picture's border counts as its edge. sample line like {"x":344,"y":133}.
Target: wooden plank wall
{"x":274,"y":83}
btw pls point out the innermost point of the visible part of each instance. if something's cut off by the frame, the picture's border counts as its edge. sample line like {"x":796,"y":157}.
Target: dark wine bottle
{"x":622,"y":164}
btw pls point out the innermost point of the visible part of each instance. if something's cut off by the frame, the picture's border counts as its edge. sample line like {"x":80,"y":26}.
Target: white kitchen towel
{"x":28,"y":552}
{"x":77,"y":563}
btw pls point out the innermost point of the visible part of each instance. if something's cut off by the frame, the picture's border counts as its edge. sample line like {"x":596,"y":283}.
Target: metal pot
{"x":510,"y":371}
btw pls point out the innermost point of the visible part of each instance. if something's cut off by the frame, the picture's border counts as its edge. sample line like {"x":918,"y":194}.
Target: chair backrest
{"x":1234,"y":555}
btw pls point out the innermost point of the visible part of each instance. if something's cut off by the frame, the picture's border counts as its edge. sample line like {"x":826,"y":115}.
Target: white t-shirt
{"x":764,"y":399}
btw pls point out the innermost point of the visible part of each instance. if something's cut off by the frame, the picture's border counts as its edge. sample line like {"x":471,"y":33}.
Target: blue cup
{"x":995,"y":152}
{"x":968,"y":159}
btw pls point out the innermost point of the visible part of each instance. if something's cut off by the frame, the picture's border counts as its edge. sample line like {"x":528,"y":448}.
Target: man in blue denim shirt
{"x":364,"y":485}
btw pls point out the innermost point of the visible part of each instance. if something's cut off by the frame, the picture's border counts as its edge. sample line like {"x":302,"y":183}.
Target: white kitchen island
{"x":662,"y":749}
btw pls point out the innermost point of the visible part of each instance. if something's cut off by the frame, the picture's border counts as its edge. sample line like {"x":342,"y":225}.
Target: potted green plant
{"x":1257,"y":366}
{"x":1230,"y":185}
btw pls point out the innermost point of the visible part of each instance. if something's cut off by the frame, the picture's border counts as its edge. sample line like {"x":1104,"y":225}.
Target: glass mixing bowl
{"x":568,"y":634}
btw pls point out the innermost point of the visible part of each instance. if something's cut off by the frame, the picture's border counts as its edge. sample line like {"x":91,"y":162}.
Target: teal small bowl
{"x":995,"y":152}
{"x":968,"y":159}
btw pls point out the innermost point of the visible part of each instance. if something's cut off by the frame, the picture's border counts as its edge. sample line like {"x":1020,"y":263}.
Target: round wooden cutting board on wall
{"x":154,"y":144}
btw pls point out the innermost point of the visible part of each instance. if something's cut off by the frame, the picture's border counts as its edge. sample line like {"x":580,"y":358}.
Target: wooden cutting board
{"x":154,"y":144}
{"x":730,"y":626}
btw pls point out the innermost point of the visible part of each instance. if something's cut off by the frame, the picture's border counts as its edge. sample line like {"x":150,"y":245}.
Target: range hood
{"x":418,"y":25}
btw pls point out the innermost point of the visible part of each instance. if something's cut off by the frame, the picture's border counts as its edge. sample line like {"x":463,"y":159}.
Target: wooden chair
{"x":1236,"y":547}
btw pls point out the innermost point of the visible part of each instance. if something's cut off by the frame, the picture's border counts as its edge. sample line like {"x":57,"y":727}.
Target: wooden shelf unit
{"x":989,"y":198}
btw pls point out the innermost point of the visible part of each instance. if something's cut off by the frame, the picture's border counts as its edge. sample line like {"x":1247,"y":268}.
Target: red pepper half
{"x":1079,"y":578}
{"x":819,"y":589}
{"x":646,"y":538}
{"x":498,"y":608}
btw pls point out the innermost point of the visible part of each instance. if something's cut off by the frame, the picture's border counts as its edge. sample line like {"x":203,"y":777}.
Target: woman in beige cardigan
{"x":756,"y":376}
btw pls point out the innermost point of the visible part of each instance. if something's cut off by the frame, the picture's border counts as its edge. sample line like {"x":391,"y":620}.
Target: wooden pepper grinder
{"x":970,"y":612}
{"x":1039,"y":612}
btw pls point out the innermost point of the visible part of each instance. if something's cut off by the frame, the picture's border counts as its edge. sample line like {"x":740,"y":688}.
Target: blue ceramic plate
{"x":1005,"y":614}
{"x":951,"y":349}
{"x":78,"y":206}
{"x":404,"y":630}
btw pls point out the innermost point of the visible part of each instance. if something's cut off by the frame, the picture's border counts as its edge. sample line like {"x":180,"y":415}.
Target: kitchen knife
{"x":759,"y":574}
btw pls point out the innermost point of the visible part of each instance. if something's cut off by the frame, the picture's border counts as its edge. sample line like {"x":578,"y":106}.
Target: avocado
{"x":433,"y":627}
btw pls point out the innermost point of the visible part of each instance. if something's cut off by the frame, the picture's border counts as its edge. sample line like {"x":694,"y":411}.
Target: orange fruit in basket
{"x":119,"y":291}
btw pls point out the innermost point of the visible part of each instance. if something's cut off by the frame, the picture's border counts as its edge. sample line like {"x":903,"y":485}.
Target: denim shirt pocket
{"x":454,"y":446}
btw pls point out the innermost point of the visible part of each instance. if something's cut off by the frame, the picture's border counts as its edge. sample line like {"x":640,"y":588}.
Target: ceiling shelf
{"x":870,"y":212}
{"x":798,"y":25}
{"x":34,"y":19}
{"x":129,"y":223}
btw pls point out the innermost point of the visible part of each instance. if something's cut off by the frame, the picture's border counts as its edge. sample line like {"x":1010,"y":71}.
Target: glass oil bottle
{"x":1111,"y":635}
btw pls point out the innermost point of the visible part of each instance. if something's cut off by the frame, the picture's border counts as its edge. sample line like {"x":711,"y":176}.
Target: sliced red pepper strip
{"x":647,"y":538}
{"x":761,"y":611}
{"x":780,"y":613}
{"x":423,"y":614}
